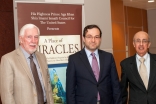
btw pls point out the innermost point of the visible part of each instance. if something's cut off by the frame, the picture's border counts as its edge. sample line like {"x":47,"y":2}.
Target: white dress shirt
{"x":146,"y":62}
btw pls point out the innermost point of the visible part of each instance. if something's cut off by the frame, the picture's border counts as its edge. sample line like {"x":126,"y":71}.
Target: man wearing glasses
{"x":91,"y":73}
{"x":139,"y":73}
{"x":24,"y":76}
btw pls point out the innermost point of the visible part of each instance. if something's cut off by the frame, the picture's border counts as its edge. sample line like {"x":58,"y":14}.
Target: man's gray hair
{"x":28,"y":26}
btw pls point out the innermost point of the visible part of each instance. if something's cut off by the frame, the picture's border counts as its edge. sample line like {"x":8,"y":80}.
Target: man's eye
{"x":36,"y":37}
{"x":29,"y":37}
{"x":97,"y":37}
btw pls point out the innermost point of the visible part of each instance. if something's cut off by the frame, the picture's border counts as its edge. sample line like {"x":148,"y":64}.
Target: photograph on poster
{"x":58,"y":82}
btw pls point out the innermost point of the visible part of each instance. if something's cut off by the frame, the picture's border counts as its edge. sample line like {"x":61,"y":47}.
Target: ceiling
{"x":143,"y":4}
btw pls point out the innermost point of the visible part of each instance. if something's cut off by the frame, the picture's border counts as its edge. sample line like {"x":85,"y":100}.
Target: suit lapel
{"x":85,"y":60}
{"x":24,"y":64}
{"x":134,"y":70}
{"x":152,"y":71}
{"x":102,"y":64}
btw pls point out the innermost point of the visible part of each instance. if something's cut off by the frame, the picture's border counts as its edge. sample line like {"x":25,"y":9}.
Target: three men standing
{"x":91,"y":76}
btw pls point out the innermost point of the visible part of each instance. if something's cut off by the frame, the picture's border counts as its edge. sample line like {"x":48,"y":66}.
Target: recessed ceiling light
{"x":150,"y":1}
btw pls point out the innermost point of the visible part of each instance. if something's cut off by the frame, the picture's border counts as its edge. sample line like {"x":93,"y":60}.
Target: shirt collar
{"x":89,"y":53}
{"x":26,"y":54}
{"x":145,"y":56}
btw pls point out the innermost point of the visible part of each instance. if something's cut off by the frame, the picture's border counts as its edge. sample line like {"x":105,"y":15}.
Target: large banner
{"x":60,"y":36}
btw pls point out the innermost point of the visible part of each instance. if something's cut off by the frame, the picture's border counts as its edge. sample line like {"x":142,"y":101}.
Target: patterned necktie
{"x":143,"y":72}
{"x":95,"y":69}
{"x":37,"y":81}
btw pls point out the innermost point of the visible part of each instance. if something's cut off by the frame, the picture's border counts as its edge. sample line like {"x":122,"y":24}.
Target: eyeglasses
{"x":91,"y":37}
{"x":139,"y":41}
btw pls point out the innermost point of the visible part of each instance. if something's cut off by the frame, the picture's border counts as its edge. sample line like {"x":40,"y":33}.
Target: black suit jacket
{"x":82,"y":86}
{"x":137,"y":91}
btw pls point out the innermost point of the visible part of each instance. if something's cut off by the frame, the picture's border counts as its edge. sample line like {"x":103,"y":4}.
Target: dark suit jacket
{"x":137,"y":91}
{"x":81,"y":84}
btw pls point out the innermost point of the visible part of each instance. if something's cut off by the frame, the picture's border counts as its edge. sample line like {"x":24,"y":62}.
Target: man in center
{"x":91,"y":76}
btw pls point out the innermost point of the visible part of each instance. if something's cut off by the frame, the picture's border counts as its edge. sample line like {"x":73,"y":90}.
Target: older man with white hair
{"x":24,"y":72}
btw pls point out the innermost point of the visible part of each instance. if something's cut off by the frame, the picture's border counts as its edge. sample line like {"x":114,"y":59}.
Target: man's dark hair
{"x":90,"y":27}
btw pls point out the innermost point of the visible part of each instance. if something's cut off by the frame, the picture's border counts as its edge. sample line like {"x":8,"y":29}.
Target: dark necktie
{"x":37,"y":81}
{"x":95,"y":69}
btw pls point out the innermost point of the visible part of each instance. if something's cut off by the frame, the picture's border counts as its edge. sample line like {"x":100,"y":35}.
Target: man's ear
{"x":133,"y":44}
{"x":149,"y":44}
{"x":20,"y":39}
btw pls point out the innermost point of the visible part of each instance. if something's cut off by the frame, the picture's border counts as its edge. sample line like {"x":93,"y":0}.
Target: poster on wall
{"x":60,"y":36}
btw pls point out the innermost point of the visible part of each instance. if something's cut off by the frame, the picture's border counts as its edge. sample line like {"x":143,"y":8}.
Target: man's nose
{"x":93,"y":39}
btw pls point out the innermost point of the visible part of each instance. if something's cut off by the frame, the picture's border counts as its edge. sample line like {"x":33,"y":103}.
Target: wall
{"x":99,"y":13}
{"x":152,"y":29}
{"x":118,"y":32}
{"x":6,"y":27}
{"x":135,"y":20}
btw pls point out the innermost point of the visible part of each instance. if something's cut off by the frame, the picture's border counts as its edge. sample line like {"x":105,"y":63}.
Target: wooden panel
{"x":152,"y":50}
{"x":118,"y":36}
{"x":6,"y":5}
{"x":6,"y":33}
{"x":118,"y":32}
{"x":131,"y":32}
{"x":134,"y":17}
{"x":7,"y":40}
{"x":136,"y":20}
{"x":117,"y":10}
{"x":144,"y":17}
{"x":119,"y":56}
{"x":125,"y":15}
{"x":126,"y":25}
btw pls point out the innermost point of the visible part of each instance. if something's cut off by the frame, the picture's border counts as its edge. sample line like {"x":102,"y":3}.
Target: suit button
{"x":97,"y":85}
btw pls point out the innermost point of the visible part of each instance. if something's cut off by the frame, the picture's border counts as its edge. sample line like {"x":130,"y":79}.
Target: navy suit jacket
{"x":137,"y":91}
{"x":82,"y":86}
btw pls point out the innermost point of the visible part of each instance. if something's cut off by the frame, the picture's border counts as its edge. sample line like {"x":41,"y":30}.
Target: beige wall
{"x":99,"y":13}
{"x":151,"y":17}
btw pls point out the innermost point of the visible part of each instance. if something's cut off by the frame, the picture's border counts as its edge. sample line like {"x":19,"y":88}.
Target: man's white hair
{"x":28,"y":26}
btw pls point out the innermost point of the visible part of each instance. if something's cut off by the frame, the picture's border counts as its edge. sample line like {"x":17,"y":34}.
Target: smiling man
{"x":24,"y":72}
{"x":138,"y":73}
{"x":91,"y":73}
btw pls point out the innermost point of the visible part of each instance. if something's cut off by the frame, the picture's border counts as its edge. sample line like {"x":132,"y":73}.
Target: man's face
{"x":141,"y":43}
{"x":29,"y":41}
{"x":92,"y":39}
